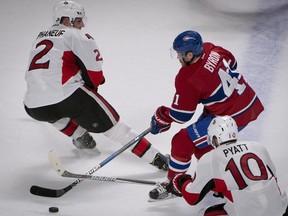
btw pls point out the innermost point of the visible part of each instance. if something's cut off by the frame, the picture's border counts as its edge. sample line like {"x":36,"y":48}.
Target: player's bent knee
{"x":182,"y":146}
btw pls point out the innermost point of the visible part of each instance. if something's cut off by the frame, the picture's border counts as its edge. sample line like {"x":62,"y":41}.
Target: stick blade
{"x":55,"y":162}
{"x":46,"y":192}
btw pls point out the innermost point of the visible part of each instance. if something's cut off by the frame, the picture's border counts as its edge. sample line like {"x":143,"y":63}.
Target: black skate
{"x":161,"y":161}
{"x":86,"y":141}
{"x":160,"y":193}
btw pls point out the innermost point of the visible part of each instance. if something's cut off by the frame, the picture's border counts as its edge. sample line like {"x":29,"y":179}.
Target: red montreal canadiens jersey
{"x":214,"y":82}
{"x":54,"y":72}
{"x":244,"y":173}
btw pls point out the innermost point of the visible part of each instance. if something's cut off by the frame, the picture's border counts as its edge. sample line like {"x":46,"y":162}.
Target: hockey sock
{"x":122,"y":133}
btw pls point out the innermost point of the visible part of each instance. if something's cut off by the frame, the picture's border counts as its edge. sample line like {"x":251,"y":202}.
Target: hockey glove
{"x":161,"y":121}
{"x":175,"y":186}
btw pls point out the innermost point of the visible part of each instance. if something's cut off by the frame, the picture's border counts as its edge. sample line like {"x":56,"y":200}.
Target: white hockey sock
{"x":123,"y":134}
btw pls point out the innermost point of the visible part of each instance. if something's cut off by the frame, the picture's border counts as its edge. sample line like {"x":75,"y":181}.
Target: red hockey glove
{"x":161,"y":121}
{"x":175,"y":186}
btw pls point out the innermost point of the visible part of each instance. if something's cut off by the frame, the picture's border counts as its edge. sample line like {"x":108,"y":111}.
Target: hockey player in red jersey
{"x":63,"y":76}
{"x":242,"y":173}
{"x":208,"y":76}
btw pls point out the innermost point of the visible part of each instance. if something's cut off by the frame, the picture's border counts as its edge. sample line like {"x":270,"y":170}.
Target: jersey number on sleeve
{"x":47,"y":46}
{"x":98,"y":55}
{"x":244,"y":166}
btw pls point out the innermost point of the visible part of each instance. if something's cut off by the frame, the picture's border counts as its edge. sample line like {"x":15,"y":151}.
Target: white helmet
{"x":222,"y":129}
{"x":67,"y":9}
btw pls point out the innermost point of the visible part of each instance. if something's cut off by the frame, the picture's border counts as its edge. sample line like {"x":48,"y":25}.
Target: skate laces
{"x":161,"y":188}
{"x":160,"y":192}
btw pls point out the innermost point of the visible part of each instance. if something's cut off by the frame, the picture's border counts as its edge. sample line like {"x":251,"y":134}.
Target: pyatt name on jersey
{"x":235,"y":149}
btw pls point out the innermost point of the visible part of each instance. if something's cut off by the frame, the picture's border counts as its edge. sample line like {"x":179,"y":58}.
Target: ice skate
{"x":161,"y":161}
{"x":160,"y":193}
{"x":86,"y":141}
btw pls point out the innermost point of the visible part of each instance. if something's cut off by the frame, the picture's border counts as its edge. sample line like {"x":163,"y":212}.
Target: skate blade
{"x":170,"y":196}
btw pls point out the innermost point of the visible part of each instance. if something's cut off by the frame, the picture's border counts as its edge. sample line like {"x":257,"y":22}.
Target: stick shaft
{"x":55,"y":193}
{"x":109,"y":179}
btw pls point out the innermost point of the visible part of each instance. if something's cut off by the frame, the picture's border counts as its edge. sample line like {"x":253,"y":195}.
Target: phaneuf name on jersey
{"x":51,"y":33}
{"x":235,"y":149}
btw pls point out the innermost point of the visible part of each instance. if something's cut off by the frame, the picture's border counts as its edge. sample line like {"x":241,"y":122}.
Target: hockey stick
{"x":59,"y":168}
{"x":55,"y":193}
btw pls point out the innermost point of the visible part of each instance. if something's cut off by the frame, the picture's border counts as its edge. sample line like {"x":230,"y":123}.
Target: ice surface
{"x":135,"y":38}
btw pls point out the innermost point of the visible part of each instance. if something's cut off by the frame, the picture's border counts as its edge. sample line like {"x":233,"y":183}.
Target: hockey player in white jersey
{"x":242,"y":173}
{"x":63,"y":76}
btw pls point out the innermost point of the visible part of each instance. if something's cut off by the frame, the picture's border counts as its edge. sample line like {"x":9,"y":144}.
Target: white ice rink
{"x":135,"y":37}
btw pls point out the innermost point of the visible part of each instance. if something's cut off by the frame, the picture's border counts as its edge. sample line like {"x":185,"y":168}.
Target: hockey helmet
{"x":68,"y":9}
{"x":222,"y":129}
{"x":189,"y":41}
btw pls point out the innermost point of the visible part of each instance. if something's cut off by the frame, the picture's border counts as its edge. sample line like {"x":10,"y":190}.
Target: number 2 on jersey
{"x":47,"y":47}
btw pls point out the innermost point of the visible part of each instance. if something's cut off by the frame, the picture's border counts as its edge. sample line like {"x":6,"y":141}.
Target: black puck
{"x":53,"y":209}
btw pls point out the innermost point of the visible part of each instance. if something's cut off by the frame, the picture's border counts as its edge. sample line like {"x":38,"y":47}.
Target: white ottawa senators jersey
{"x":244,"y":173}
{"x":56,"y":59}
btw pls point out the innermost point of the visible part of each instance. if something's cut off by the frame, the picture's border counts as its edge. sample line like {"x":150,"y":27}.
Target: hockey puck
{"x":53,"y":209}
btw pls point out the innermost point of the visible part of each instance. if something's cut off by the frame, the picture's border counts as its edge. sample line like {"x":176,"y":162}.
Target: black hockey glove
{"x":175,"y":186}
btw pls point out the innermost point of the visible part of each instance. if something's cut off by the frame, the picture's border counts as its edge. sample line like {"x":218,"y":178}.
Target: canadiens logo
{"x":186,"y":38}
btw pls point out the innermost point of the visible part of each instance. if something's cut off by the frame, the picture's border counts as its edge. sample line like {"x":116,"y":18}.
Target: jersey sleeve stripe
{"x":201,"y":142}
{"x":216,"y":97}
{"x":246,"y":107}
{"x":178,"y":166}
{"x":181,"y":116}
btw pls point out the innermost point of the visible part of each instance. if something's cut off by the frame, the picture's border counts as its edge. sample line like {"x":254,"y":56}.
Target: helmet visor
{"x":176,"y":55}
